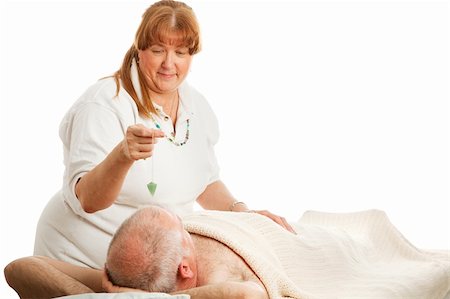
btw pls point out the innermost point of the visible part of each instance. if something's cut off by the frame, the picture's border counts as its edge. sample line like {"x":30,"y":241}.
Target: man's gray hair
{"x":143,"y":254}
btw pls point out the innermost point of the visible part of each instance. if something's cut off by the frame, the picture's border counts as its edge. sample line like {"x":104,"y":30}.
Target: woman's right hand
{"x":139,"y":142}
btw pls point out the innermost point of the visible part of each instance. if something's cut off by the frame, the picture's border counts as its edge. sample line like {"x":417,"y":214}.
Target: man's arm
{"x":228,"y":290}
{"x":42,"y":277}
{"x":223,"y":290}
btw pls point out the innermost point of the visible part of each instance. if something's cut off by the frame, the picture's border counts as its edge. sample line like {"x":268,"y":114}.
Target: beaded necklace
{"x":171,"y":137}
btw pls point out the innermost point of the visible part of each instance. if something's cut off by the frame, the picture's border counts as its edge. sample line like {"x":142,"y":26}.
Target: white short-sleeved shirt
{"x":92,"y":127}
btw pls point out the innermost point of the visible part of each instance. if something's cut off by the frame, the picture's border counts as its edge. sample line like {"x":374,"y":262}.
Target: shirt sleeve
{"x":91,"y":134}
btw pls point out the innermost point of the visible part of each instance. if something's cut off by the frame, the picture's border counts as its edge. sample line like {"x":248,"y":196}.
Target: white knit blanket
{"x":353,"y":255}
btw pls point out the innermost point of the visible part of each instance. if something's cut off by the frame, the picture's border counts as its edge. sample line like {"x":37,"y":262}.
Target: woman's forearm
{"x":217,"y":197}
{"x":99,"y":188}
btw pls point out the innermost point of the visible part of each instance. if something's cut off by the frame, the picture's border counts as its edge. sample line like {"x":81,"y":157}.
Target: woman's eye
{"x":181,"y":52}
{"x":156,"y":51}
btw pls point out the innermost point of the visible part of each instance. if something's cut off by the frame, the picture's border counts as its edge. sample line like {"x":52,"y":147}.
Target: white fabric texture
{"x":92,"y":127}
{"x":345,"y":256}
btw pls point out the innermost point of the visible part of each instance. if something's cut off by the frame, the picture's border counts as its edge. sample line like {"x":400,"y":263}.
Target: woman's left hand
{"x":278,"y":219}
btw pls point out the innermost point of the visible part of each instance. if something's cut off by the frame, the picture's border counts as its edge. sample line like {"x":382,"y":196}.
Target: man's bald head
{"x":145,"y":251}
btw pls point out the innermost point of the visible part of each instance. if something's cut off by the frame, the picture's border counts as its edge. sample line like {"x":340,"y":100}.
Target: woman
{"x":140,"y":137}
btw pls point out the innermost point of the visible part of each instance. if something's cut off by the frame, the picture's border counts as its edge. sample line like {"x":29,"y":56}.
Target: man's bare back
{"x":218,"y":263}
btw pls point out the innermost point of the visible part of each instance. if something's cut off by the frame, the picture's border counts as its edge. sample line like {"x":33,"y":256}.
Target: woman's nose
{"x":168,"y":60}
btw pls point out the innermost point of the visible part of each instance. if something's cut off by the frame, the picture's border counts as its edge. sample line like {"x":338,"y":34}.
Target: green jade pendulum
{"x":152,"y":187}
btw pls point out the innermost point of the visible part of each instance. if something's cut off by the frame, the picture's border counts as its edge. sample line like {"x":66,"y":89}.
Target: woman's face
{"x":165,"y":66}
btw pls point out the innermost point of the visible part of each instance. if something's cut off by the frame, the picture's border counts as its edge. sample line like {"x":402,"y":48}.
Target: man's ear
{"x":185,"y":270}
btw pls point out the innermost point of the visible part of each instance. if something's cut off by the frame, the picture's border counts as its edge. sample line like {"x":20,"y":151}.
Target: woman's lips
{"x":166,"y":76}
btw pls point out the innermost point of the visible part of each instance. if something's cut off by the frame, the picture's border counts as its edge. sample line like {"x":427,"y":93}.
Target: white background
{"x":336,"y":106}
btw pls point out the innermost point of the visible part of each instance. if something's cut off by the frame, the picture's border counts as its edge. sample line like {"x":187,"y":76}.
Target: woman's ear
{"x":185,"y":270}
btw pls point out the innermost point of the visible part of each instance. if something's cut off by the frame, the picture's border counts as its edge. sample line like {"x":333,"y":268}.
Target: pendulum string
{"x":152,"y":185}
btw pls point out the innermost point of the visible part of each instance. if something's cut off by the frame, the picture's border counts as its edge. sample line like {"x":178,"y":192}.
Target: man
{"x":230,"y":255}
{"x":152,"y":251}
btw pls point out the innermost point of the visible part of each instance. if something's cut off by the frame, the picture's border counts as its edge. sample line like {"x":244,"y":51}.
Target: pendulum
{"x":152,"y":188}
{"x":152,"y":185}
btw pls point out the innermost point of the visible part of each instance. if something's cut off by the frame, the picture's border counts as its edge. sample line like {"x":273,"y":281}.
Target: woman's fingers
{"x":278,"y":219}
{"x":139,"y":141}
{"x":142,"y":131}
